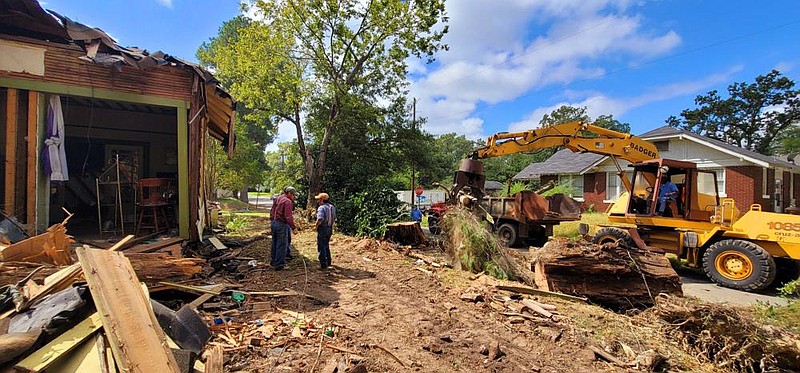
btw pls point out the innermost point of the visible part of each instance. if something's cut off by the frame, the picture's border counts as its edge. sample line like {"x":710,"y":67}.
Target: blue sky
{"x":511,"y":61}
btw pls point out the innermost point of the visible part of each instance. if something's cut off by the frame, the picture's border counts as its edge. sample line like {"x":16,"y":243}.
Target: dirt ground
{"x":387,"y":312}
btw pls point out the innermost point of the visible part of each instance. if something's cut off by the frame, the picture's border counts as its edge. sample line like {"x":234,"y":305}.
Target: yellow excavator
{"x":740,"y":251}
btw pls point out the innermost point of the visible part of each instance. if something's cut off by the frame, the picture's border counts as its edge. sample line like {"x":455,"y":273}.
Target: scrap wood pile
{"x":62,"y":315}
{"x":612,"y":275}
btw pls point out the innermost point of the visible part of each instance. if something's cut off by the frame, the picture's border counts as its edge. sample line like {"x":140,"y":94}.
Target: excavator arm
{"x":575,"y":136}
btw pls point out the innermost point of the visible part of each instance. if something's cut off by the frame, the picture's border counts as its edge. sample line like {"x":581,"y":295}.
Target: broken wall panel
{"x":15,"y":154}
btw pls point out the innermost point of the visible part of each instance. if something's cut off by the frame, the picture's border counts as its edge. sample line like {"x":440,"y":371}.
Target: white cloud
{"x":166,"y":3}
{"x":785,"y":66}
{"x":501,"y":50}
{"x":599,"y":104}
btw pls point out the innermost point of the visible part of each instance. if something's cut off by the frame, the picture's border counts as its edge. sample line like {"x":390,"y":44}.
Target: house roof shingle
{"x":563,"y":161}
{"x":668,"y":132}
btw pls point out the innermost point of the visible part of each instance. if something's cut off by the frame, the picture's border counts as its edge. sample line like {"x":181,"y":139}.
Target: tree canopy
{"x":753,"y":116}
{"x":312,"y":62}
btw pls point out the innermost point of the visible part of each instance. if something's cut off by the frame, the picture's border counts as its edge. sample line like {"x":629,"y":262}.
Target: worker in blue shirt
{"x":416,"y":215}
{"x":667,"y":192}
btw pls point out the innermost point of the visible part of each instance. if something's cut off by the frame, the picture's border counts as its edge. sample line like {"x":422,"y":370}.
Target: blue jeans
{"x":280,"y":243}
{"x":662,"y":204}
{"x":323,"y":245}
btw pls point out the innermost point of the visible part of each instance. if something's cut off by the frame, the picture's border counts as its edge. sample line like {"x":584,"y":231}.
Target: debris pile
{"x":94,"y":314}
{"x":726,"y":336}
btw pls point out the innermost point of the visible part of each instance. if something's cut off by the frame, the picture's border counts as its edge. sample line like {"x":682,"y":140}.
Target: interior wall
{"x":156,"y":134}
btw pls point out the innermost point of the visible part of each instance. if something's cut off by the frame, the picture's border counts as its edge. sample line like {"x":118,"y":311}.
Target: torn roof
{"x":27,"y":18}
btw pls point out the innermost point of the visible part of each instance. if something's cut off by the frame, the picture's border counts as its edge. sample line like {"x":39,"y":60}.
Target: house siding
{"x":785,"y":189}
{"x":796,"y":188}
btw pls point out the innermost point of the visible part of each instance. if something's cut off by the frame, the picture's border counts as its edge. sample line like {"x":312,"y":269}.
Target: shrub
{"x":475,"y":248}
{"x":235,"y":223}
{"x":367,"y":213}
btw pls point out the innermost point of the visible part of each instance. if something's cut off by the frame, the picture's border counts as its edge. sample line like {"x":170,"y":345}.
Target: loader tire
{"x":509,"y":235}
{"x":611,"y":234}
{"x":739,"y":264}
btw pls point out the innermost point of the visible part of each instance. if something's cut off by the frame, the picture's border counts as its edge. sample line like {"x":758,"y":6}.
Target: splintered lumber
{"x":405,"y":233}
{"x":214,"y":360}
{"x":137,"y":341}
{"x":612,"y":275}
{"x":64,"y":343}
{"x":15,"y":344}
{"x":155,"y":267}
{"x":50,"y":247}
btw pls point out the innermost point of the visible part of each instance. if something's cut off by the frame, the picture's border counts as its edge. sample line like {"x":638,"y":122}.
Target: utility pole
{"x":413,"y":129}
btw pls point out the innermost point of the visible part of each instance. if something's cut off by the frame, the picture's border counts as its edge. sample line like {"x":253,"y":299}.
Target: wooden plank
{"x":138,"y":342}
{"x":121,"y":243}
{"x":11,"y":152}
{"x":532,"y":291}
{"x":63,"y":344}
{"x":217,"y":243}
{"x":33,"y":126}
{"x":214,"y":360}
{"x":85,"y":358}
{"x":154,"y":246}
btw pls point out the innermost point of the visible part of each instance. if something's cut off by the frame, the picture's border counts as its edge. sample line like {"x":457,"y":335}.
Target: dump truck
{"x":738,"y":250}
{"x":526,"y":218}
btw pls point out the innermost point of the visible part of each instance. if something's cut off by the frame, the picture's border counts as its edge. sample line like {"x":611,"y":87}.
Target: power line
{"x":637,"y":66}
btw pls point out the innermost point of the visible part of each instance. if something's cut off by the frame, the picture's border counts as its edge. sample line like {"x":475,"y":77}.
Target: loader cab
{"x":672,"y":189}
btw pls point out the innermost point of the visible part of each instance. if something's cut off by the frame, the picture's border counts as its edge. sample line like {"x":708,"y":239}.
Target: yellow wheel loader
{"x":736,"y":250}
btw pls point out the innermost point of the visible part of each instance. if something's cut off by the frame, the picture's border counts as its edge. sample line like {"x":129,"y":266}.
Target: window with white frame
{"x":575,"y":181}
{"x":764,"y":191}
{"x":721,"y":182}
{"x":614,"y":185}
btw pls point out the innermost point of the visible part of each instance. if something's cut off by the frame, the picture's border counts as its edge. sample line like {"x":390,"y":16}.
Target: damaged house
{"x":114,"y":135}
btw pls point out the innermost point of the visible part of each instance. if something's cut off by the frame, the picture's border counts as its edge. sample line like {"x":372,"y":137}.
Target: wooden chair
{"x":153,"y":203}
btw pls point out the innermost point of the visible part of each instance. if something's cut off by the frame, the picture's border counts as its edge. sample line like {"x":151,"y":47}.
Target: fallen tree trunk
{"x":154,"y":267}
{"x":611,"y":275}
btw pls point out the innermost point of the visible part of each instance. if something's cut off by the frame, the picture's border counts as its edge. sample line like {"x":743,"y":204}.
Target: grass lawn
{"x":570,"y":229}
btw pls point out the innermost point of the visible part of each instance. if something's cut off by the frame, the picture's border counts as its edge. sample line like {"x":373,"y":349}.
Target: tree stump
{"x":612,"y":275}
{"x":405,"y":233}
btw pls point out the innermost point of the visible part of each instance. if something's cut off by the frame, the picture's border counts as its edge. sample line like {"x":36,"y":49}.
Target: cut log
{"x":611,"y":275}
{"x":405,"y":233}
{"x":155,"y":267}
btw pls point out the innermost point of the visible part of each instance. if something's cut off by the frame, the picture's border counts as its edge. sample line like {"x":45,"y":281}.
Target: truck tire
{"x":433,"y":224}
{"x":739,"y":264}
{"x":611,"y":234}
{"x":508,"y":234}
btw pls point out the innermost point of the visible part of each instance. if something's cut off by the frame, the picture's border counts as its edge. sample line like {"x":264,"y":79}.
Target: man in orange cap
{"x":326,"y":216}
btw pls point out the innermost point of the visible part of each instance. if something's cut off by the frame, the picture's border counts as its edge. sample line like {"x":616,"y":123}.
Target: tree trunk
{"x":243,"y":195}
{"x":612,"y":275}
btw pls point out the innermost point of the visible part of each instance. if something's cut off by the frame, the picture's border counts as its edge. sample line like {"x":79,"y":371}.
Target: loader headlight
{"x":690,"y":239}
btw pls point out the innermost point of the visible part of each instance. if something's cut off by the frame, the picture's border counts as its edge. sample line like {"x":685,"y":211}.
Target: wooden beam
{"x":149,"y":248}
{"x":11,"y":152}
{"x":33,"y":126}
{"x":138,"y":342}
{"x":64,"y":343}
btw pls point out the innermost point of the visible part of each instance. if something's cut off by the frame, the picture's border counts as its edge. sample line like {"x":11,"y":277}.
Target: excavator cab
{"x":672,"y":189}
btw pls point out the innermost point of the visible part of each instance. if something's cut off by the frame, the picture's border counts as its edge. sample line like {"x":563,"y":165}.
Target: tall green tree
{"x":753,"y":115}
{"x":567,"y":113}
{"x":330,"y":54}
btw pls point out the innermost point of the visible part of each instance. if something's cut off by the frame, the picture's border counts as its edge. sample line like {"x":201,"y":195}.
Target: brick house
{"x":746,"y":176}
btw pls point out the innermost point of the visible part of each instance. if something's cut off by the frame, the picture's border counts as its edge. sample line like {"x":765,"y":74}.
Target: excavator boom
{"x":575,"y":136}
